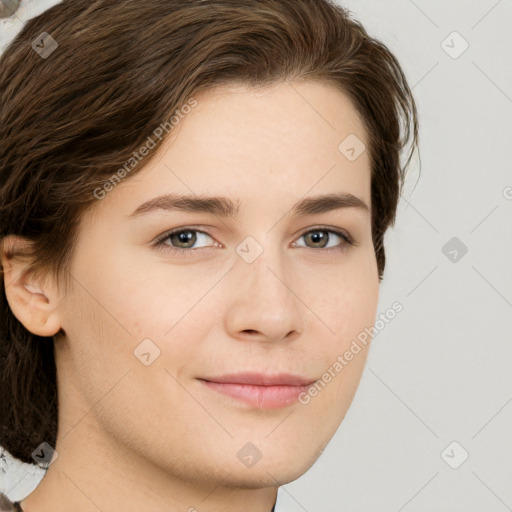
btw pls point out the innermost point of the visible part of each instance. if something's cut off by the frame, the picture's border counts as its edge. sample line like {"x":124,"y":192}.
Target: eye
{"x":183,"y":240}
{"x":322,"y":236}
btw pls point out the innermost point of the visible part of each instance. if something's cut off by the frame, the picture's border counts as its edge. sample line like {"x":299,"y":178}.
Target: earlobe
{"x":34,"y":305}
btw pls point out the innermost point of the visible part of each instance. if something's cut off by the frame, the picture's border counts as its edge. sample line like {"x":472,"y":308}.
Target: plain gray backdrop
{"x":430,"y":427}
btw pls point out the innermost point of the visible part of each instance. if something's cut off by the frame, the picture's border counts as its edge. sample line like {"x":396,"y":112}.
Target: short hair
{"x":119,"y":69}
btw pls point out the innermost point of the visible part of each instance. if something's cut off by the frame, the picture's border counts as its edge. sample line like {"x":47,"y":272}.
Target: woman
{"x":194,"y":197}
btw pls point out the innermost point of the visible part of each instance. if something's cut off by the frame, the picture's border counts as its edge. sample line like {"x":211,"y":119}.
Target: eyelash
{"x":347,"y":241}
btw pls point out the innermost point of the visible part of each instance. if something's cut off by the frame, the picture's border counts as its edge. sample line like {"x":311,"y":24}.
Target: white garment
{"x":18,"y":479}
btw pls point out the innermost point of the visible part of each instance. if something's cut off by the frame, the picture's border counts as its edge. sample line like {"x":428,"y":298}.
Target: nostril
{"x":8,"y":7}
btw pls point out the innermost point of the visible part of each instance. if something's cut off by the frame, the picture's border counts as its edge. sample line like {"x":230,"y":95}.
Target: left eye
{"x":187,"y":238}
{"x":321,"y":237}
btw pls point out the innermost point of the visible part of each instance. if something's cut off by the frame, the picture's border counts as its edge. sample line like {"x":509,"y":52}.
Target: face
{"x":166,"y":301}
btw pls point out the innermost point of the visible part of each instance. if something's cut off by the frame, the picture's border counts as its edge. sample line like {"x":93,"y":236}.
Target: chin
{"x":280,"y":469}
{"x":265,"y":477}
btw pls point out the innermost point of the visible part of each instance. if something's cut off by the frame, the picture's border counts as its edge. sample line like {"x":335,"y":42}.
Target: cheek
{"x":356,"y":309}
{"x":153,"y":297}
{"x":343,"y":354}
{"x":348,"y":306}
{"x":348,"y":299}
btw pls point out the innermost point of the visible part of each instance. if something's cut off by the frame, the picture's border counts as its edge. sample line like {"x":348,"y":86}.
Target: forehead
{"x":298,"y":118}
{"x":268,"y":144}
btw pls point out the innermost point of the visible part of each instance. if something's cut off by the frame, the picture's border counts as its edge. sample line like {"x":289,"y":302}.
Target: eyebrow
{"x":225,"y":207}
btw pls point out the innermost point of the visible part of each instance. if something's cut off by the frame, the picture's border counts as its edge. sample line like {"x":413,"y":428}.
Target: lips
{"x":260,"y":379}
{"x":259,"y":390}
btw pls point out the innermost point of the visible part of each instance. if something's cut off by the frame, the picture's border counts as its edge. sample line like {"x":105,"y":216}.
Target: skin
{"x":163,"y":439}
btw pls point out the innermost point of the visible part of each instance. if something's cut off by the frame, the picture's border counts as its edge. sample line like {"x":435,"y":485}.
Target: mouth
{"x":259,"y":390}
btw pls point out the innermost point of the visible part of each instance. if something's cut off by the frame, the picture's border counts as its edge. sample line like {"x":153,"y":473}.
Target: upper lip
{"x":260,"y":379}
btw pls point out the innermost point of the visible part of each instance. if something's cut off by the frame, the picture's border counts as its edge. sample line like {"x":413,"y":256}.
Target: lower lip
{"x":262,"y":397}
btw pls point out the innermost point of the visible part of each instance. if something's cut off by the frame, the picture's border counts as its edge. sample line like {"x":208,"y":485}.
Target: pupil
{"x":186,"y":237}
{"x":318,"y":236}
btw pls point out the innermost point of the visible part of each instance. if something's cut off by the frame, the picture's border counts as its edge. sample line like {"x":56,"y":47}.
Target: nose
{"x":263,"y":303}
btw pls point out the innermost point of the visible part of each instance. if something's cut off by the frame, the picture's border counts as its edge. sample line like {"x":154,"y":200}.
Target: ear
{"x":33,"y":302}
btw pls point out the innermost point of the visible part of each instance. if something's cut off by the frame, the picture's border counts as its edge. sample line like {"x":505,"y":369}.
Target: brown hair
{"x":71,"y":119}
